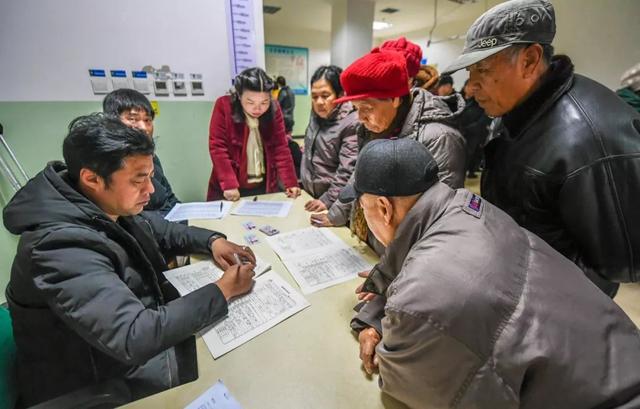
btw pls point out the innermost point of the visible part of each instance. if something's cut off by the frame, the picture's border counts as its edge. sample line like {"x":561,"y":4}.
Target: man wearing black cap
{"x":473,"y":310}
{"x":564,"y":159}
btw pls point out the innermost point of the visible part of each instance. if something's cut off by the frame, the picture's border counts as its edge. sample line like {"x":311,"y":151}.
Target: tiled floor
{"x":628,"y":297}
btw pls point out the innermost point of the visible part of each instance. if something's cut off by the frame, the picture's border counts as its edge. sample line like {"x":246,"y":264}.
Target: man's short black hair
{"x":330,"y":73}
{"x":121,"y":100}
{"x":445,"y":79}
{"x":101,"y":143}
{"x":281,"y":81}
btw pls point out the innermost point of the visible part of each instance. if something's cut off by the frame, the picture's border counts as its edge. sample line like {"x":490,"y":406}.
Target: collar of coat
{"x":338,"y":114}
{"x":553,"y":84}
{"x":419,"y":109}
{"x":424,"y":213}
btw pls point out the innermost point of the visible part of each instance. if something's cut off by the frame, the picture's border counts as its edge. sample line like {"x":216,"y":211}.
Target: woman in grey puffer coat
{"x":330,"y":143}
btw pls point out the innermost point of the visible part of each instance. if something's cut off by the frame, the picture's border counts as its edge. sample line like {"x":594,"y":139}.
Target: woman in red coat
{"x":247,"y":142}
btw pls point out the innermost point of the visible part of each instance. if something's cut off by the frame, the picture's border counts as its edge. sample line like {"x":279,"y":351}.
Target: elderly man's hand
{"x":369,"y":338}
{"x":362,"y":295}
{"x":223,"y":253}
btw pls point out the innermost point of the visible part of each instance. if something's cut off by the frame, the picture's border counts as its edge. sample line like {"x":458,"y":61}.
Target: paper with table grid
{"x":317,"y":258}
{"x":271,"y":301}
{"x":199,"y":210}
{"x":266,"y":208}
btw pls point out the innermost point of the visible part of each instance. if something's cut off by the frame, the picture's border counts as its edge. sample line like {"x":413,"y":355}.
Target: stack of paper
{"x":199,"y":210}
{"x":271,"y":301}
{"x":317,"y":258}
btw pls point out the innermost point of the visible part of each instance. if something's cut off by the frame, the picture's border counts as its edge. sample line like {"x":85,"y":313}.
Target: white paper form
{"x":303,"y":241}
{"x":199,"y":210}
{"x":216,"y":397}
{"x":265,"y":208}
{"x":271,"y":301}
{"x":317,"y":258}
{"x":193,"y":276}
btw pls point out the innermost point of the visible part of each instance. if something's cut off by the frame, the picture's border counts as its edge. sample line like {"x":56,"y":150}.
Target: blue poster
{"x":290,"y":62}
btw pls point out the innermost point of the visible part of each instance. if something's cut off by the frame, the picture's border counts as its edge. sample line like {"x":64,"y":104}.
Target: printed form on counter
{"x":271,"y":301}
{"x":317,"y":258}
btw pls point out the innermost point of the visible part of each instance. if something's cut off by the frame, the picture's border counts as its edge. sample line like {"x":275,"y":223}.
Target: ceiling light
{"x":381,"y":25}
{"x":389,"y":10}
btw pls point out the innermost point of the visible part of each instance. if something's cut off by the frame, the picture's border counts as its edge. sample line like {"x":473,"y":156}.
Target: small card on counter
{"x":249,"y":225}
{"x":251,"y":238}
{"x":268,"y":230}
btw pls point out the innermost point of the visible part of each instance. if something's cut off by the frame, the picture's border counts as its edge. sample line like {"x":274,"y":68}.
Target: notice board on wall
{"x":47,"y":47}
{"x":290,"y":62}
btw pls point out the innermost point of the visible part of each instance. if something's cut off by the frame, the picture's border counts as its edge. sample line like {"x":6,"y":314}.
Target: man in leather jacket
{"x":564,"y":155}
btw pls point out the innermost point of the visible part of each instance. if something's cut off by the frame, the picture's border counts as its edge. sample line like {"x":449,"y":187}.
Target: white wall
{"x":601,"y":37}
{"x":440,"y":53}
{"x":47,"y":46}
{"x":351,"y":29}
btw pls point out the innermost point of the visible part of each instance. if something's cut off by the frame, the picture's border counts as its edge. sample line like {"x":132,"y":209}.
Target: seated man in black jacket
{"x":134,"y":110}
{"x":563,"y":158}
{"x":87,"y":296}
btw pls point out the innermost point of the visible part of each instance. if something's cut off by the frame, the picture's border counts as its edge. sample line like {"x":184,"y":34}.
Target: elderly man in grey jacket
{"x":474,"y":311}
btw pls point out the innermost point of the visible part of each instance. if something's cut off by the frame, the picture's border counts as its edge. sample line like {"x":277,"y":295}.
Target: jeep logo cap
{"x":512,"y":22}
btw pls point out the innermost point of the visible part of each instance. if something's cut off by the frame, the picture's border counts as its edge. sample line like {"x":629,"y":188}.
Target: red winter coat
{"x":227,"y":145}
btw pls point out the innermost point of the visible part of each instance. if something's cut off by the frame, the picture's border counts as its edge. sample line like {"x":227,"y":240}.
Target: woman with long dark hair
{"x":247,"y":142}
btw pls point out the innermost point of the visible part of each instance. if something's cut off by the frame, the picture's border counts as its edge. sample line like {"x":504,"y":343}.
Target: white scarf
{"x":255,"y":152}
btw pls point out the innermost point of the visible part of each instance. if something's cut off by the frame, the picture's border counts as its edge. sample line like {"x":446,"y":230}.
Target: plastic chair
{"x":104,"y":395}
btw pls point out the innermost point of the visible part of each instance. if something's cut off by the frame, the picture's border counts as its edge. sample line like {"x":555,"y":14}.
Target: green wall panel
{"x":35,"y":131}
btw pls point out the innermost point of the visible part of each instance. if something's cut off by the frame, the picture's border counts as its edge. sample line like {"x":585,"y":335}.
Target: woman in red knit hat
{"x":247,"y":142}
{"x":412,"y":54}
{"x":378,"y":86}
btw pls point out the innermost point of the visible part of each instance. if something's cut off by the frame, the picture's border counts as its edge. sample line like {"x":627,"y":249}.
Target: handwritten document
{"x":193,"y":276}
{"x":265,"y":208}
{"x":271,"y":301}
{"x":216,"y":397}
{"x":199,"y":210}
{"x":317,"y":258}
